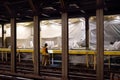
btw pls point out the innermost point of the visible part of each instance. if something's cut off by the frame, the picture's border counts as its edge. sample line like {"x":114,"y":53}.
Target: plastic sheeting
{"x":52,"y":33}
{"x":76,"y":33}
{"x":111,"y":33}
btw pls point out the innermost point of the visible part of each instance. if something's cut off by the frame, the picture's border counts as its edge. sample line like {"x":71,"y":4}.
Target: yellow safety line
{"x":71,"y":52}
{"x":112,"y":53}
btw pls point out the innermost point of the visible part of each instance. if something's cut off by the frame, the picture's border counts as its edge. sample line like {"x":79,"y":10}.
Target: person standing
{"x":45,"y":55}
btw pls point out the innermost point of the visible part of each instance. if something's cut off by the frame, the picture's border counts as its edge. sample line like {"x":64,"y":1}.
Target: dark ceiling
{"x":24,"y":10}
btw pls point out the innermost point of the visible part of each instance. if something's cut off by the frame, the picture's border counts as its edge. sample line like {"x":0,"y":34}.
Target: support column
{"x":13,"y":45}
{"x":36,"y":46}
{"x":100,"y":40}
{"x":2,"y":35}
{"x":87,"y":32}
{"x":65,"y":55}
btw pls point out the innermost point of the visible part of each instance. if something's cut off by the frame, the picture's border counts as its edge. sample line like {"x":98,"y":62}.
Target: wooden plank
{"x":36,"y":45}
{"x":13,"y":45}
{"x":100,"y":40}
{"x":65,"y":55}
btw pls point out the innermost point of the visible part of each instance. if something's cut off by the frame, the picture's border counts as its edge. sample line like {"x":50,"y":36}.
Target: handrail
{"x":72,"y":52}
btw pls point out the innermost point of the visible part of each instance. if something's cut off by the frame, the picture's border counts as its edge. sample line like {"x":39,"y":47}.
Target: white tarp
{"x":111,"y":32}
{"x":52,"y":32}
{"x":76,"y":32}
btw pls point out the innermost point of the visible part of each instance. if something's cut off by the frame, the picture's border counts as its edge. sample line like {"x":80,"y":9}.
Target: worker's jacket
{"x":44,"y":51}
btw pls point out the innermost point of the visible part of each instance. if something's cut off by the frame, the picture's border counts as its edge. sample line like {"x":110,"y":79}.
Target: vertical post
{"x":87,"y":31}
{"x":100,"y":40}
{"x":87,"y":39}
{"x":2,"y":35}
{"x":36,"y":45}
{"x":13,"y":45}
{"x":65,"y":55}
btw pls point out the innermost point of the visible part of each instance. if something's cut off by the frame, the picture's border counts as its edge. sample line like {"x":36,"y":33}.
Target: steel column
{"x":87,"y":31}
{"x":13,"y":45}
{"x":3,"y":35}
{"x":36,"y":45}
{"x":100,"y":40}
{"x":65,"y":55}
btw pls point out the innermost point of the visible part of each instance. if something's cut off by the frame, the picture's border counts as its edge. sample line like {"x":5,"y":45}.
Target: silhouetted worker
{"x":45,"y":55}
{"x":115,"y":45}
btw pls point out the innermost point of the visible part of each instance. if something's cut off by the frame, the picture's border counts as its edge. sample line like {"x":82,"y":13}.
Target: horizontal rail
{"x":90,"y":52}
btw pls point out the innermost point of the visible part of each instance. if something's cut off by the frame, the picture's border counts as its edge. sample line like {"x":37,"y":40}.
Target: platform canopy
{"x":24,"y":10}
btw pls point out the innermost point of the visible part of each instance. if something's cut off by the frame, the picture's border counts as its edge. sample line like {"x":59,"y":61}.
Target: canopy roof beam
{"x":32,"y":6}
{"x":9,"y":10}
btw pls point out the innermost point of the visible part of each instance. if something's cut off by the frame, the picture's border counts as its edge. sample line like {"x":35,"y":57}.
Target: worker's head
{"x":46,"y":44}
{"x":111,"y":43}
